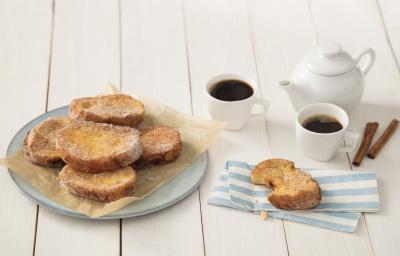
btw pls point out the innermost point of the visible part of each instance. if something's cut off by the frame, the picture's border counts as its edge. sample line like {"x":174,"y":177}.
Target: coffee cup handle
{"x":353,"y":138}
{"x":263,"y":103}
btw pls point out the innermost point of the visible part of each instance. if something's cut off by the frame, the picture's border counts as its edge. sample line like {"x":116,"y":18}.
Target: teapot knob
{"x":329,"y":49}
{"x":370,"y":54}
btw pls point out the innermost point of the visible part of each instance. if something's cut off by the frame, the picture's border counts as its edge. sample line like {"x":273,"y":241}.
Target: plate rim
{"x":111,"y":216}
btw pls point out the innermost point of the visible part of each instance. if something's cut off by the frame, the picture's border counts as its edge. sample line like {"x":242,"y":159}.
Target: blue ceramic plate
{"x":170,"y":193}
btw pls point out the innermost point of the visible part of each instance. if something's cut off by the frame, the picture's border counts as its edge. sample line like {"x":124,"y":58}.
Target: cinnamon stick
{"x":369,"y":132}
{"x":376,"y":148}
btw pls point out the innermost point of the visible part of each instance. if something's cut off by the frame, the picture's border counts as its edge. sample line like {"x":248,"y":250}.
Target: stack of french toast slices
{"x":99,"y":146}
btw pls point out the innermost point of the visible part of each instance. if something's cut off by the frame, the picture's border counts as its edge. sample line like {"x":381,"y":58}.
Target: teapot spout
{"x":285,"y":84}
{"x":291,"y":91}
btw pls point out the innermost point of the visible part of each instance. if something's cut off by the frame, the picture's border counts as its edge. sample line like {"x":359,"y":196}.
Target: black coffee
{"x":322,"y":124}
{"x":231,"y":90}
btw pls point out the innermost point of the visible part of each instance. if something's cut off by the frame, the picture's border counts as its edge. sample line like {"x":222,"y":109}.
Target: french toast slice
{"x":293,"y":189}
{"x":117,"y":109}
{"x":104,"y":186}
{"x":39,"y":145}
{"x":161,"y":144}
{"x":94,"y":147}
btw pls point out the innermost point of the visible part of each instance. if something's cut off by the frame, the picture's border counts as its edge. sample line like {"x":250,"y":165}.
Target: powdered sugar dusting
{"x":88,"y":140}
{"x":118,"y":106}
{"x":159,"y":139}
{"x":40,"y":143}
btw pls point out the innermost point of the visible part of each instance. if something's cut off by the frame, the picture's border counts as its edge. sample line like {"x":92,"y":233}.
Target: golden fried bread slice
{"x":104,"y":186}
{"x":40,"y":143}
{"x":161,"y":144}
{"x":117,"y":109}
{"x":296,"y":191}
{"x":260,"y":176}
{"x":293,"y":189}
{"x":94,"y":147}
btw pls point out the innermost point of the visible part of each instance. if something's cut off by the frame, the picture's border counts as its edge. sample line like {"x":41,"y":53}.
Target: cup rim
{"x":345,"y":126}
{"x":216,"y":79}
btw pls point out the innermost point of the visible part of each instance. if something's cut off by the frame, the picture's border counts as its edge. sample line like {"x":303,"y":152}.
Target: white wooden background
{"x":52,"y":51}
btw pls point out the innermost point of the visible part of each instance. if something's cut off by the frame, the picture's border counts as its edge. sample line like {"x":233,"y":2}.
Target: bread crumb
{"x":264,"y":215}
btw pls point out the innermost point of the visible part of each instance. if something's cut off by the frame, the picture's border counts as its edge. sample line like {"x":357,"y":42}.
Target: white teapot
{"x":329,"y":74}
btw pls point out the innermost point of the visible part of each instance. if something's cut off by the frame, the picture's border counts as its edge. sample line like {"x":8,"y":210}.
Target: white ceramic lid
{"x":329,"y":59}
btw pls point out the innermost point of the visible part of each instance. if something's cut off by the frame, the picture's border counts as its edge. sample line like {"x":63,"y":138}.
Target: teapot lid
{"x":329,"y":59}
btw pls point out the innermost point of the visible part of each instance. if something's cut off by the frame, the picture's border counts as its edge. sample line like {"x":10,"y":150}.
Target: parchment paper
{"x":196,"y":134}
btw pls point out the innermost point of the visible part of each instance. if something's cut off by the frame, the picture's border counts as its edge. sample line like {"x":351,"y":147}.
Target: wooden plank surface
{"x":218,"y":42}
{"x":169,"y":50}
{"x":279,"y":45}
{"x":154,"y":64}
{"x":389,"y":15}
{"x":85,"y":56}
{"x":24,"y":55}
{"x":381,"y":102}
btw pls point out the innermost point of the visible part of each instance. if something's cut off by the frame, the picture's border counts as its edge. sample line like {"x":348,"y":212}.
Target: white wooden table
{"x":54,"y":51}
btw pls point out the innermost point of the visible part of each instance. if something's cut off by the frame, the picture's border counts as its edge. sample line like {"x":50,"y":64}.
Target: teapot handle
{"x":370,"y":53}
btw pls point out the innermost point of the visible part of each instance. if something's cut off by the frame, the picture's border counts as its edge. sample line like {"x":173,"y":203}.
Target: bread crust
{"x":293,"y":189}
{"x":39,"y":145}
{"x":302,"y":200}
{"x":161,"y":144}
{"x":104,"y":187}
{"x":94,"y":147}
{"x":117,"y":109}
{"x":260,"y":176}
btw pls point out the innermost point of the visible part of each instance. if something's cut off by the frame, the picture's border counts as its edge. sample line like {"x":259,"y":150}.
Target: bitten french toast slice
{"x":104,"y":186}
{"x":40,"y":143}
{"x":94,"y":147}
{"x":293,"y":189}
{"x":117,"y":109}
{"x":161,"y":144}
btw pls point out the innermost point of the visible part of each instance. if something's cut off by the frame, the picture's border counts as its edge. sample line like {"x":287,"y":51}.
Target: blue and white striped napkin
{"x":345,"y":194}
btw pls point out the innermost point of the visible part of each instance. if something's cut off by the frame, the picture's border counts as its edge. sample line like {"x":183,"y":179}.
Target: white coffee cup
{"x":323,"y":146}
{"x":234,"y":113}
